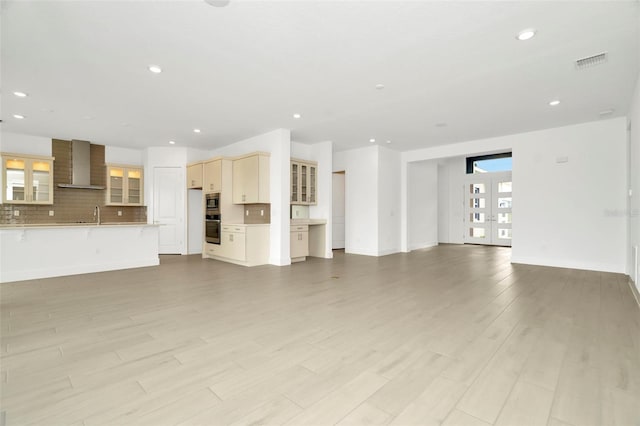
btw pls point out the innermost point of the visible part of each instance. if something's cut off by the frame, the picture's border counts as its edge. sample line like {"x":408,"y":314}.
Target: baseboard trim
{"x":419,"y":246}
{"x":634,"y":290}
{"x":599,"y":267}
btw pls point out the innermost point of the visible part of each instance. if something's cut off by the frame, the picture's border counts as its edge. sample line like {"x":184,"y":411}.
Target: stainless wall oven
{"x":212,"y":219}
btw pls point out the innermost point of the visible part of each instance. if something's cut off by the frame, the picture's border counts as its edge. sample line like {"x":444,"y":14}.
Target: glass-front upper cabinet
{"x":124,"y":185}
{"x":27,"y":179}
{"x":303,"y":182}
{"x":295,"y":171}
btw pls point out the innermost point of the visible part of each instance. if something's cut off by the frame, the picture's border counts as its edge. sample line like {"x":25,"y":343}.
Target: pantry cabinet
{"x":27,"y":179}
{"x":251,"y":179}
{"x":194,"y":175}
{"x":124,"y":185}
{"x":212,"y":175}
{"x":304,"y":176}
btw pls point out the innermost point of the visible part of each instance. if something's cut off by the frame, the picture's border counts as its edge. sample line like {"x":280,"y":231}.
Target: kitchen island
{"x":50,"y":250}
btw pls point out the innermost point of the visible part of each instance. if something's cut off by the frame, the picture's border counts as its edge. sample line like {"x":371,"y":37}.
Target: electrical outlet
{"x":16,"y":213}
{"x":247,"y":212}
{"x":261,"y":212}
{"x":51,"y":213}
{"x":119,"y":212}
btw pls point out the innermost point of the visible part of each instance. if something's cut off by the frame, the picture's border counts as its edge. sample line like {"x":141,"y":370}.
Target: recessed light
{"x":196,"y":130}
{"x":20,"y":94}
{"x":172,"y":142}
{"x":372,"y":140}
{"x":297,"y":116}
{"x":388,"y":141}
{"x":441,"y":124}
{"x":379,"y":86}
{"x":217,"y":3}
{"x":526,"y":34}
{"x":155,"y":69}
{"x":554,"y":102}
{"x":18,"y":116}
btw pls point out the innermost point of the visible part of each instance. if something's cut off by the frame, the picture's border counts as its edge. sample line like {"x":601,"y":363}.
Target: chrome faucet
{"x":96,"y":212}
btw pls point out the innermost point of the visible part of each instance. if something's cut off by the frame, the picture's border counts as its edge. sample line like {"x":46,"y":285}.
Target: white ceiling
{"x":244,"y":69}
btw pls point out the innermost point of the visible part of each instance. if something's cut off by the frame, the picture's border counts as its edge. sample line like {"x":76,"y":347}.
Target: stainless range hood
{"x":80,"y":167}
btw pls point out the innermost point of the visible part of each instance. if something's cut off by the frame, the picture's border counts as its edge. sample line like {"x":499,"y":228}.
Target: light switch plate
{"x":51,"y":213}
{"x":119,"y":212}
{"x":16,"y":212}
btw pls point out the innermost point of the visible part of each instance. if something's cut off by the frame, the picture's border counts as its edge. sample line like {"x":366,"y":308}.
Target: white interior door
{"x":168,"y":208}
{"x":338,"y":221}
{"x":487,"y":209}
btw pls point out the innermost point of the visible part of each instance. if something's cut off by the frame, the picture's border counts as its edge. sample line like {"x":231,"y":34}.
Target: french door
{"x":487,"y":211}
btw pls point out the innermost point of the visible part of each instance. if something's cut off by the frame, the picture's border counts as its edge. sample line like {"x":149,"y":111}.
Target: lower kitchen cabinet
{"x":299,"y":242}
{"x":241,"y":244}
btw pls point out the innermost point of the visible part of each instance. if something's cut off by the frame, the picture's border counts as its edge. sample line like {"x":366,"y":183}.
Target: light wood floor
{"x":453,"y":335}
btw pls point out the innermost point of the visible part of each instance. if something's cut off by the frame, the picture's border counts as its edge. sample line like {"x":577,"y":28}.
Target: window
{"x":489,"y":163}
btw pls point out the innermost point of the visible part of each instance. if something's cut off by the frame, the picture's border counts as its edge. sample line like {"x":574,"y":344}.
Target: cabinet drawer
{"x":212,"y":249}
{"x":234,"y":228}
{"x":300,"y":228}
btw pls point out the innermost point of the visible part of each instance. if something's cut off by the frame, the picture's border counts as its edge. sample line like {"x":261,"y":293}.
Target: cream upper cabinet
{"x":124,"y":185}
{"x":212,"y":176}
{"x":251,"y":179}
{"x":194,"y":175}
{"x":27,"y":179}
{"x":304,"y":182}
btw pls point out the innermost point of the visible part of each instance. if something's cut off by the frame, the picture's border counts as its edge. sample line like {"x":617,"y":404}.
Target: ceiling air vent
{"x":591,"y":61}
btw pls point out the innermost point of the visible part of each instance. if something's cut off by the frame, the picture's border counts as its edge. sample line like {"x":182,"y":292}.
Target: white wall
{"x":117,"y":155}
{"x":278,"y":144}
{"x":322,"y":153}
{"x":634,"y":185}
{"x":25,"y":144}
{"x":388,"y":201}
{"x":361,"y":198}
{"x":570,"y":214}
{"x":451,"y":174}
{"x":422,"y":204}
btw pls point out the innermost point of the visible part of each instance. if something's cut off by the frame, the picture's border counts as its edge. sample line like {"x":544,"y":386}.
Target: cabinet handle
{"x":230,"y":237}
{"x":244,"y":197}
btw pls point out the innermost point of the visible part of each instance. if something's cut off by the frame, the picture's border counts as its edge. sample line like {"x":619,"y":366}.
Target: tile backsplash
{"x":70,"y":204}
{"x":257,"y":213}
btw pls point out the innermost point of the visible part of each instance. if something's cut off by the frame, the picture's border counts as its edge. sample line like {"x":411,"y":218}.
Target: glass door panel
{"x":134,"y":177}
{"x":312,"y":184}
{"x":294,"y":183}
{"x":116,"y":185}
{"x":16,"y":180}
{"x":303,"y":185}
{"x":41,"y":181}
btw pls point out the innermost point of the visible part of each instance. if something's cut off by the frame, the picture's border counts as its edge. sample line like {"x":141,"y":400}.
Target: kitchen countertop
{"x":308,"y":221}
{"x":74,"y":225}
